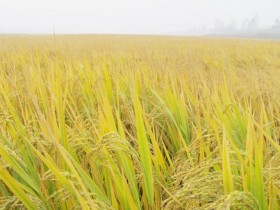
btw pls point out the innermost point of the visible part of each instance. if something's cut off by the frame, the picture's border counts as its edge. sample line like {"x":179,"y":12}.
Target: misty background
{"x":247,"y":18}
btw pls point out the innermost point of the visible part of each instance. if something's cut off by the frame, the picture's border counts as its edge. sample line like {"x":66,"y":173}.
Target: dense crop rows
{"x":116,"y":122}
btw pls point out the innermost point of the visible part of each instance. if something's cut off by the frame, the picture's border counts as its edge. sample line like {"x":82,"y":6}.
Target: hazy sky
{"x":129,"y":16}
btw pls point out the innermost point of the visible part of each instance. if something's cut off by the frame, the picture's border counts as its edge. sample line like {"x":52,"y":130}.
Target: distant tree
{"x":253,"y":23}
{"x":244,"y":24}
{"x":232,"y":26}
{"x":276,"y":24}
{"x":219,"y":25}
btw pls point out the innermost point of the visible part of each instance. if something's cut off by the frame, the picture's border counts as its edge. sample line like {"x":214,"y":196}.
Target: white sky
{"x":129,"y":16}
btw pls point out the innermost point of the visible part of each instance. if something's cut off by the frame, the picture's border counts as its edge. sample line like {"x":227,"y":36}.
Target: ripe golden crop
{"x":138,"y":122}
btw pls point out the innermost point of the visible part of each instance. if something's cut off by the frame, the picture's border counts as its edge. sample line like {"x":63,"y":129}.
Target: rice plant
{"x":135,"y":122}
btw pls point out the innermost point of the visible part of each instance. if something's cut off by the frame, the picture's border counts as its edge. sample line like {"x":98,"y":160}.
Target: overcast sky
{"x":130,"y":16}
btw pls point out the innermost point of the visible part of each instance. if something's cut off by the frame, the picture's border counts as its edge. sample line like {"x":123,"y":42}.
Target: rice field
{"x":139,"y":122}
